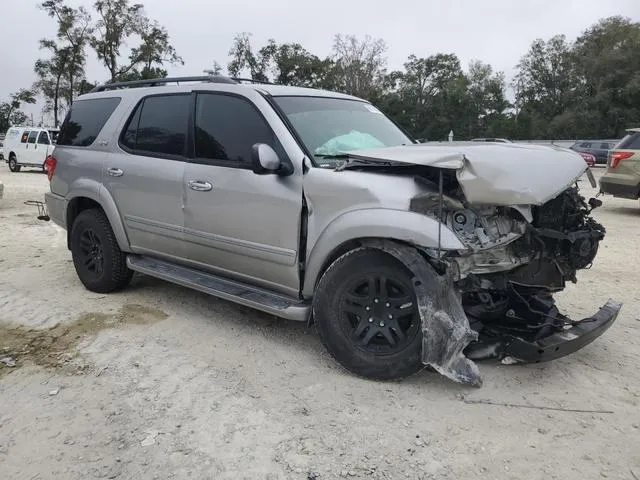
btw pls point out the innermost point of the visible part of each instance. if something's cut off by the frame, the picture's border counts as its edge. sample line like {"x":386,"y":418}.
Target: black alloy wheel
{"x":367,"y":316}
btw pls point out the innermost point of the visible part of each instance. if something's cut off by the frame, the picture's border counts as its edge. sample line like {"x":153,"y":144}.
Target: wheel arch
{"x":350,"y":230}
{"x":88,"y":199}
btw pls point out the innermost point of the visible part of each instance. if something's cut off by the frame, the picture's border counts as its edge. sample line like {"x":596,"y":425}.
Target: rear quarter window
{"x":86,"y":119}
{"x":630,"y":142}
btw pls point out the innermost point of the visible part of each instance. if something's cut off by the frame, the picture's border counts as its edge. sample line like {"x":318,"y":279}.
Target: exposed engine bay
{"x":507,"y":281}
{"x":516,"y":258}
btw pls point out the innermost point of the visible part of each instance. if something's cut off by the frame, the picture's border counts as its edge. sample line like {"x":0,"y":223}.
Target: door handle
{"x":115,"y":172}
{"x":200,"y":186}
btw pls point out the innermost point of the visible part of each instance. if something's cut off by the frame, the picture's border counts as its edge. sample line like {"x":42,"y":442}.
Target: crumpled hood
{"x":498,"y":174}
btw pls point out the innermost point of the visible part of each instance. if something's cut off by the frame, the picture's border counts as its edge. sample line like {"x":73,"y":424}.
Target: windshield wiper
{"x":339,"y":156}
{"x":351,"y":162}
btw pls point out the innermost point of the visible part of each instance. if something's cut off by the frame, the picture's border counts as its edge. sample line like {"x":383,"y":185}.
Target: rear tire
{"x":13,"y":164}
{"x":99,"y":262}
{"x":366,"y":315}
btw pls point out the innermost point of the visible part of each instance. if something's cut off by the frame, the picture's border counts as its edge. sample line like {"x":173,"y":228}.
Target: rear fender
{"x":85,"y":188}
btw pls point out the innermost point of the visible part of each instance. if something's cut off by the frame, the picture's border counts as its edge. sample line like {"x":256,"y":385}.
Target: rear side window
{"x":227,"y":127}
{"x":630,"y":142}
{"x":159,"y":126}
{"x":33,"y":136}
{"x":43,"y":138}
{"x":85,"y":121}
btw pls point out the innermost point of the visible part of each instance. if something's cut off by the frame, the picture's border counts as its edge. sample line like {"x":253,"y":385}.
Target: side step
{"x":250,"y":296}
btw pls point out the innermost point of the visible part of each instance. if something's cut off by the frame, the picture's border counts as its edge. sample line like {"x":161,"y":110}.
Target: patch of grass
{"x":55,"y":347}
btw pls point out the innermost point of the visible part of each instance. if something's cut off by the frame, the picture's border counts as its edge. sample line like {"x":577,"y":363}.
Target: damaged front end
{"x":517,"y":257}
{"x":495,"y":298}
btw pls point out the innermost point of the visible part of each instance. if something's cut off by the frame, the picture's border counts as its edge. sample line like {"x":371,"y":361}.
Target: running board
{"x":247,"y":295}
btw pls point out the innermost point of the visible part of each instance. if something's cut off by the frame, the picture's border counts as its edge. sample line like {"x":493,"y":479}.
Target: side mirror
{"x":265,"y":160}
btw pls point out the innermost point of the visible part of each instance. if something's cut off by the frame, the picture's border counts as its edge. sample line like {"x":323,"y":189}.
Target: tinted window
{"x":604,"y":146}
{"x":32,"y":137}
{"x":128,"y":137}
{"x":43,"y":138}
{"x":227,"y":127}
{"x":630,"y":142}
{"x":24,"y":137}
{"x":85,"y":121}
{"x":159,"y":125}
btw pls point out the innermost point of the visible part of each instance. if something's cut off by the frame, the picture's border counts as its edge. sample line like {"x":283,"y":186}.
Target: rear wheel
{"x":99,"y":262}
{"x":13,"y":164}
{"x":367,"y":316}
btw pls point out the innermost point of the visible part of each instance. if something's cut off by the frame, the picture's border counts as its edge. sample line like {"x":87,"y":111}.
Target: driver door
{"x":238,"y":223}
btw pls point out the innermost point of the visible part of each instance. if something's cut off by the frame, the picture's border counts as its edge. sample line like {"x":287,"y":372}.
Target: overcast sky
{"x":495,"y":31}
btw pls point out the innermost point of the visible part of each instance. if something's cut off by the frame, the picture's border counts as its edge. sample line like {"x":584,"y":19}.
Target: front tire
{"x":13,"y":164}
{"x":99,"y":262}
{"x":367,"y":317}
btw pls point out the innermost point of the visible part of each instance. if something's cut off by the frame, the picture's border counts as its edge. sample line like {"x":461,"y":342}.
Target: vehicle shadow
{"x":300,"y":341}
{"x":628,"y":211}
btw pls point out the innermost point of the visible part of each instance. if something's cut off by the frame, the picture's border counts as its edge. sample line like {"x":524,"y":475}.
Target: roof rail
{"x":251,"y":80}
{"x":161,"y":81}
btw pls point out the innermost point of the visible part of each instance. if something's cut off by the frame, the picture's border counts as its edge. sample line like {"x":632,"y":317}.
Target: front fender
{"x":406,"y":226}
{"x":85,"y":188}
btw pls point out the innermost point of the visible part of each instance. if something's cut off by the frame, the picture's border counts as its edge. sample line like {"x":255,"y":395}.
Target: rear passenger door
{"x":146,"y":176}
{"x":238,"y":223}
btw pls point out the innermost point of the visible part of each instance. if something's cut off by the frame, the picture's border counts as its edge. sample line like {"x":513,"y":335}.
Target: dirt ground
{"x":163,"y":382}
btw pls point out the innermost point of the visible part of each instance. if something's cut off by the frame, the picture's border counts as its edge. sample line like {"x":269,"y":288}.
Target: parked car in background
{"x":28,"y":146}
{"x":622,"y":178}
{"x":493,"y":140}
{"x":589,"y":158}
{"x":598,"y":148}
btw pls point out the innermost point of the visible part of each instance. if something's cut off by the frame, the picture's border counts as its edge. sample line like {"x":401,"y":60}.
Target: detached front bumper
{"x":565,"y":342}
{"x":512,"y":349}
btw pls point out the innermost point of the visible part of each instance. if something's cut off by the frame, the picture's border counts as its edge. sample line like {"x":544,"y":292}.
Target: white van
{"x":28,"y":146}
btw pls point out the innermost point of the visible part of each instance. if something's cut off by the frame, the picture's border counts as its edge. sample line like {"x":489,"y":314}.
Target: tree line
{"x":588,"y":88}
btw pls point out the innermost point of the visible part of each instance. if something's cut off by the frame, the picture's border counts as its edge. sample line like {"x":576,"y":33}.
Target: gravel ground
{"x":162,"y":382}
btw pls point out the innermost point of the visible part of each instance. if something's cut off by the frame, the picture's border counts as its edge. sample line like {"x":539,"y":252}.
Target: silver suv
{"x":314,"y":206}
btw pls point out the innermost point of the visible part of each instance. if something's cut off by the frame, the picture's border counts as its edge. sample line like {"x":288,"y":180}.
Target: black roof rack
{"x":163,"y":81}
{"x":251,"y":80}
